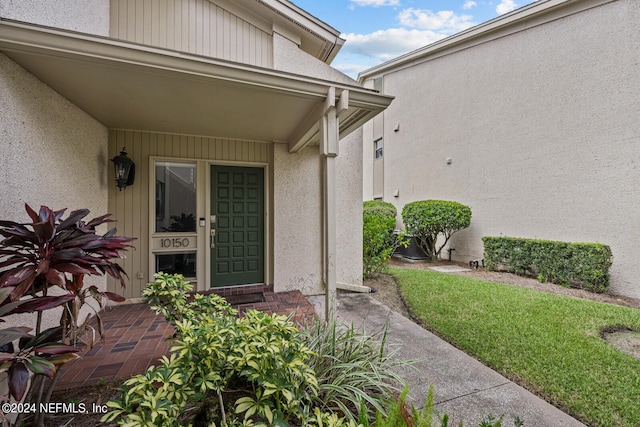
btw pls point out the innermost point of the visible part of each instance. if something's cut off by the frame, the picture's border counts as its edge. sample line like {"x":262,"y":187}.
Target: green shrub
{"x":581,"y":265}
{"x":377,"y":243}
{"x":379,"y":207}
{"x":425,"y":220}
{"x":214,"y":350}
{"x":169,"y":295}
{"x":256,"y":370}
{"x":378,"y":238}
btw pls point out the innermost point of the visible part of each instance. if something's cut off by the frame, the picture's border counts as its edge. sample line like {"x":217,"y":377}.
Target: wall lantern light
{"x":125,"y":169}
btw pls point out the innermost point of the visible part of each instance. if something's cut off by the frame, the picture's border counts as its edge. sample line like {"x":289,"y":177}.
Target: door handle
{"x":213,"y":238}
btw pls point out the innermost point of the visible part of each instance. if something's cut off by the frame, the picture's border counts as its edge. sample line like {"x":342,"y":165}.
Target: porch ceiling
{"x":130,"y":86}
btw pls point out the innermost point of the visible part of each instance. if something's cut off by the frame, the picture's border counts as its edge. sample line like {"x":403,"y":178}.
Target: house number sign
{"x":161,"y":243}
{"x":175,"y":242}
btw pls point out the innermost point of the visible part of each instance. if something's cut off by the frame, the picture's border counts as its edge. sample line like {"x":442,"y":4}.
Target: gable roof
{"x":314,"y":36}
{"x":319,"y":39}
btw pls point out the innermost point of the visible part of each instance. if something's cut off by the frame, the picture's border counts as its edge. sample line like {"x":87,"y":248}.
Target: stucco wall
{"x":298,"y":217}
{"x":53,"y":153}
{"x":297,"y":198}
{"x":297,"y":221}
{"x":287,"y":56}
{"x":349,"y":209}
{"x":86,"y":16}
{"x":542,"y":131}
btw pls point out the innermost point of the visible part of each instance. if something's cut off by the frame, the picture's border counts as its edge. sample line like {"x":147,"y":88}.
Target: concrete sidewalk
{"x":464,"y":388}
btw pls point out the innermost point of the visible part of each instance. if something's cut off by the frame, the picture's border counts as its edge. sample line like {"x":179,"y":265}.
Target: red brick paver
{"x":135,"y":338}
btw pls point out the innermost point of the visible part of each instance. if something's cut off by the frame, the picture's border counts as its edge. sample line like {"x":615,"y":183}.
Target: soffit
{"x":129,"y":86}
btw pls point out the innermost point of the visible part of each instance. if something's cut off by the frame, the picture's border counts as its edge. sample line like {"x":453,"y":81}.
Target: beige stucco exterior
{"x":349,"y":210}
{"x":85,"y":16}
{"x":178,"y":95}
{"x":297,"y":250}
{"x":70,"y":168}
{"x":538,"y":113}
{"x":289,"y":57}
{"x":35,"y":119}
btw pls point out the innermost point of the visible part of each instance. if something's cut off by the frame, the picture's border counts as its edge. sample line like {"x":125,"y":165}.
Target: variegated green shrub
{"x":264,"y":359}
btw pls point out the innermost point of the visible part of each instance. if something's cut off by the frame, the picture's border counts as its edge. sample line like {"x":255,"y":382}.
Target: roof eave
{"x":34,"y":44}
{"x":324,"y":34}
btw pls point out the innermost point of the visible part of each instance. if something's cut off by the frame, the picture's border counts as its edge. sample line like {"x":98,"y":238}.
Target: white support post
{"x":329,"y":152}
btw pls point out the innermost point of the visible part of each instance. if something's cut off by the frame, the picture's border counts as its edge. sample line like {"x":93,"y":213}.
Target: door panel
{"x":237,"y":201}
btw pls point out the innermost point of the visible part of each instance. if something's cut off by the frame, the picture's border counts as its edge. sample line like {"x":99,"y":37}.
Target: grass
{"x":548,"y":343}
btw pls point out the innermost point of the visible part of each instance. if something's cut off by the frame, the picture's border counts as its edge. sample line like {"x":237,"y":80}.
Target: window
{"x":174,"y":234}
{"x":175,"y":197}
{"x":377,"y":146}
{"x":377,"y":84}
{"x":177,"y":263}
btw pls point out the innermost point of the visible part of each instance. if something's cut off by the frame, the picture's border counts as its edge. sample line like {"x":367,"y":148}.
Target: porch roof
{"x":131,"y":86}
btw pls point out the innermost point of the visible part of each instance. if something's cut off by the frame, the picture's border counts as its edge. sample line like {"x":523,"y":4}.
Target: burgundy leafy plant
{"x":51,"y":252}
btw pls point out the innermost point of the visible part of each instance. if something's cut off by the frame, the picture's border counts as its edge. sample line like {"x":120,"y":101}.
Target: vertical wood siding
{"x":194,"y":26}
{"x":130,"y":207}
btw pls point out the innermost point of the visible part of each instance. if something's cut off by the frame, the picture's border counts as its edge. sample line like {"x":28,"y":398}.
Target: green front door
{"x":237,"y":225}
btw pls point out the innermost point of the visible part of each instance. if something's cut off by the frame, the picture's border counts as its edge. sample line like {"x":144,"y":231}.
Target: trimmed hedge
{"x":425,"y":220}
{"x":579,"y":265}
{"x":378,"y":240}
{"x":379,"y":207}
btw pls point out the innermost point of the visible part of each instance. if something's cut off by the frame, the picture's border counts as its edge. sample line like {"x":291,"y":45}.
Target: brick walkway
{"x":135,"y":338}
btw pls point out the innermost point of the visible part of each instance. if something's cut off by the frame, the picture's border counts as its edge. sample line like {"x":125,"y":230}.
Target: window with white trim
{"x":175,"y":197}
{"x":377,"y":146}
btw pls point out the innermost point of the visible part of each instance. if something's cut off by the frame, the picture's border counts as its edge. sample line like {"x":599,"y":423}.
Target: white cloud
{"x":469,"y":4}
{"x":388,"y":44}
{"x":506,"y":6}
{"x":376,"y":3}
{"x":417,"y":28}
{"x":444,"y":21}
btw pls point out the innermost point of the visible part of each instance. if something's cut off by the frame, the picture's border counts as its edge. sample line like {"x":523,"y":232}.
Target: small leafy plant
{"x":262,"y":357}
{"x":50,"y":252}
{"x":256,"y":370}
{"x":401,"y":414}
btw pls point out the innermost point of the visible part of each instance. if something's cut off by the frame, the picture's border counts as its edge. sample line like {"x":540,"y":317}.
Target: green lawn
{"x":548,"y":343}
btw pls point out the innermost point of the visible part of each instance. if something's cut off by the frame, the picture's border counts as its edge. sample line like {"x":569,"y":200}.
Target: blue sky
{"x":379,"y":30}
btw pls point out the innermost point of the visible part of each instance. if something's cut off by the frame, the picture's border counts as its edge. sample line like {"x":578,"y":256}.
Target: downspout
{"x":329,"y":141}
{"x":328,"y":154}
{"x":355,"y":288}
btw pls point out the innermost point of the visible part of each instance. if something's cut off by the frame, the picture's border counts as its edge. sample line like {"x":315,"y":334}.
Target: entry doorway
{"x":236,"y":237}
